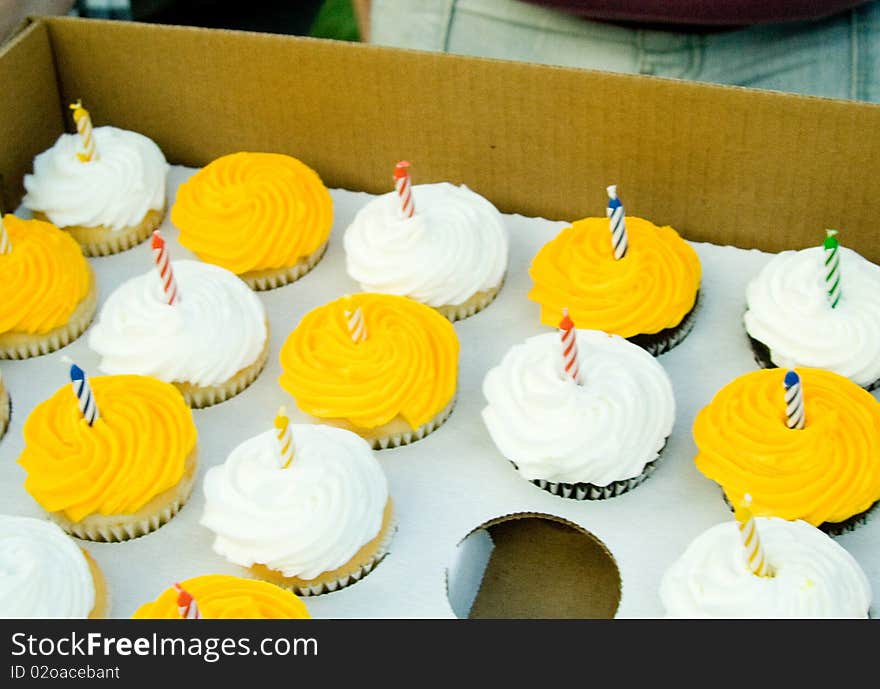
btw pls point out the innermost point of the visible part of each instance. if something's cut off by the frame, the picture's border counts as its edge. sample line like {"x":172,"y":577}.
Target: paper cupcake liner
{"x":830,"y":528}
{"x":5,"y":410}
{"x":319,"y":588}
{"x":761,"y":354}
{"x":27,"y":346}
{"x":405,"y":438}
{"x":199,"y":397}
{"x":118,"y":528}
{"x":660,"y":343}
{"x":590,"y":491}
{"x":103,"y":241}
{"x":261,"y":280}
{"x":478,"y":302}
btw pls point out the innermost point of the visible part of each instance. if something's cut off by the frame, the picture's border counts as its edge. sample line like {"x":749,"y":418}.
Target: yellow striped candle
{"x":84,"y":126}
{"x":284,"y":436}
{"x":748,"y":531}
{"x":5,"y":244}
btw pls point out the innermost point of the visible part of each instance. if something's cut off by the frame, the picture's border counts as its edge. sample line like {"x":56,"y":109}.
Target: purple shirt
{"x":703,"y":12}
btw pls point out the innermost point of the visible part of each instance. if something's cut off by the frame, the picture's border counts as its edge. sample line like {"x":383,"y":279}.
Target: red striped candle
{"x":186,"y":604}
{"x":403,"y":184}
{"x":163,"y":265}
{"x":569,"y":348}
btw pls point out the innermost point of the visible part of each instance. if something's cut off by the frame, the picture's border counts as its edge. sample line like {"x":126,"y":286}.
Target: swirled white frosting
{"x":216,"y":328}
{"x":813,"y":576}
{"x":43,"y":572}
{"x":454,"y":246}
{"x":605,"y":430}
{"x":116,"y":190}
{"x":788,"y":310}
{"x":307,"y":519}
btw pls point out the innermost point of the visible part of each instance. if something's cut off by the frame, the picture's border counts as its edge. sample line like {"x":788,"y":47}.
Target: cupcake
{"x":627,"y":277}
{"x":45,"y":574}
{"x":5,"y":408}
{"x":48,"y":294}
{"x":264,"y":216}
{"x":219,"y":596}
{"x":582,"y":432}
{"x":817,"y":307}
{"x":106,"y":187}
{"x":210,"y":342}
{"x":446,"y":248}
{"x":382,"y":366}
{"x":826,"y":473}
{"x":811,"y":576}
{"x":305,"y":507}
{"x":124,"y":474}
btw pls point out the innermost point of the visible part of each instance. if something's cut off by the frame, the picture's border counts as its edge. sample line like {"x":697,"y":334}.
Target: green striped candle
{"x":832,"y":267}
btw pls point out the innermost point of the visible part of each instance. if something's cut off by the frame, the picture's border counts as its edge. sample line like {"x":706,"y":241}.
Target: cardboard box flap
{"x":30,"y":110}
{"x":721,"y":164}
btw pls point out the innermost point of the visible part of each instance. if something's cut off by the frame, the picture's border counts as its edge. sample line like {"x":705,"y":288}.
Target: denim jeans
{"x":838,"y":57}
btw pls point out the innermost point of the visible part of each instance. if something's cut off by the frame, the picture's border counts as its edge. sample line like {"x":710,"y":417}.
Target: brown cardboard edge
{"x":515,"y":516}
{"x":31,"y":107}
{"x":722,"y":164}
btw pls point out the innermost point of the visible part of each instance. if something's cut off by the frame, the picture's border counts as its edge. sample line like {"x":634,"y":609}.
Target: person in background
{"x":821,"y":47}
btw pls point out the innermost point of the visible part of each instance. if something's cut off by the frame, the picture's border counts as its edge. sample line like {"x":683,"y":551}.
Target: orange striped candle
{"x":84,"y":126}
{"x":284,"y":437}
{"x":748,"y":531}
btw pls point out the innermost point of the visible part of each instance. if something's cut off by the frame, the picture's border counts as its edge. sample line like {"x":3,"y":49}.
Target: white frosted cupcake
{"x":316,"y":525}
{"x":211,"y":343}
{"x":791,"y":323}
{"x":813,"y":576}
{"x":451,"y":254}
{"x":587,"y":441}
{"x":45,"y":574}
{"x":108,"y":204}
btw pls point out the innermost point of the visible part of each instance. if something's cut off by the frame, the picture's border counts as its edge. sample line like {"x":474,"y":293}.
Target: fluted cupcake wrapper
{"x":26,"y":347}
{"x":660,"y":343}
{"x":261,"y":280}
{"x":104,"y":241}
{"x":475,"y":304}
{"x":407,"y":437}
{"x":589,"y":491}
{"x":5,"y":410}
{"x":335,"y":585}
{"x":199,"y":397}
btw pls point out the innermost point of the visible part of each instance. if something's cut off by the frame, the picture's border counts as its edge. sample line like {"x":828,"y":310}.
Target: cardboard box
{"x":723,"y":165}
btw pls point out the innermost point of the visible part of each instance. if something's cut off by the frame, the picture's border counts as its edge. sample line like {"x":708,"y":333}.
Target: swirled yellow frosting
{"x":651,"y":288}
{"x":407,"y":366}
{"x":220,"y":596}
{"x":45,"y":277}
{"x":135,"y":450}
{"x":826,"y":472}
{"x":253,"y":211}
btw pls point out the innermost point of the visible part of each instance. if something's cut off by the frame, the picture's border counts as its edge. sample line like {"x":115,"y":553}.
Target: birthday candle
{"x":284,"y":437}
{"x":751,"y":541}
{"x":186,"y":604}
{"x":403,"y":184}
{"x":84,"y":127}
{"x":163,"y":265}
{"x":5,"y":244}
{"x":794,"y":401}
{"x":84,"y":396}
{"x":617,"y":223}
{"x":357,"y":328}
{"x":569,"y":347}
{"x":832,"y":268}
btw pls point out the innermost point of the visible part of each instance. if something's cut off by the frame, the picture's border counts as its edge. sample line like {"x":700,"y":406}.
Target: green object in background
{"x":336,"y":19}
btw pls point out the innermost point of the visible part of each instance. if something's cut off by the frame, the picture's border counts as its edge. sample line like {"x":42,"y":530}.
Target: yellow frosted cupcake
{"x":826,"y":473}
{"x":626,"y":276}
{"x":264,"y":216}
{"x":48,"y":294}
{"x":383,"y":366}
{"x":45,"y":574}
{"x":105,"y":187}
{"x":124,"y":474}
{"x":219,"y":596}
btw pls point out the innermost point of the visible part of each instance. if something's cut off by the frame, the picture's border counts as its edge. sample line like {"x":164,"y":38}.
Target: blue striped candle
{"x":84,"y":396}
{"x":617,"y":223}
{"x":794,"y":401}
